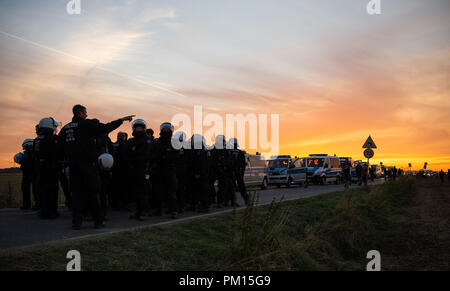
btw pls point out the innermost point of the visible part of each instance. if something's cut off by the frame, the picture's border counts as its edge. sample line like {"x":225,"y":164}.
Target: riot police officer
{"x":199,"y":174}
{"x":119,"y":194}
{"x":26,"y":166}
{"x":183,"y":166}
{"x":138,"y":154}
{"x":46,"y":150}
{"x":239,"y":165}
{"x":78,"y":139}
{"x":163,"y":161}
{"x":223,"y":164}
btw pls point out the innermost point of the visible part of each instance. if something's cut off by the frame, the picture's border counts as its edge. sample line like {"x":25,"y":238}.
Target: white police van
{"x":277,"y":168}
{"x":322,"y":169}
{"x":255,"y":171}
{"x":297,"y":172}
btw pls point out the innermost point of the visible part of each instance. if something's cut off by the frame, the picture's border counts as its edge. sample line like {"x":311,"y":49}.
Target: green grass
{"x":407,"y":221}
{"x":11,"y":192}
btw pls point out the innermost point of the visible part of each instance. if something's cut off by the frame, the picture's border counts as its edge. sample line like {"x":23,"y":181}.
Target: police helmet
{"x":220,"y":142}
{"x":139,"y":122}
{"x":28,"y":143}
{"x":18,"y":158}
{"x":49,"y":123}
{"x":180,"y":136}
{"x":233,"y":143}
{"x":198,"y":142}
{"x":166,"y":125}
{"x":106,"y":161}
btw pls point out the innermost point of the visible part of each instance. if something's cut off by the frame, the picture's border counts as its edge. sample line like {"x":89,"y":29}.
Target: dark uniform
{"x":46,"y":152}
{"x":120,"y":192}
{"x":183,"y":165}
{"x":239,"y":165}
{"x":163,"y":161}
{"x":27,"y":177}
{"x":104,"y":146}
{"x":223,"y":166}
{"x":78,"y":138}
{"x":138,"y":155}
{"x":198,"y":177}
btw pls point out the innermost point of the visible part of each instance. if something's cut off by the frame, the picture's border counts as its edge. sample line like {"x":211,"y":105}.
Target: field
{"x":408,"y":221}
{"x":11,"y":193}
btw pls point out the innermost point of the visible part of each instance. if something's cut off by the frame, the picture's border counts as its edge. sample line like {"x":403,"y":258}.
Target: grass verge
{"x":406,"y":220}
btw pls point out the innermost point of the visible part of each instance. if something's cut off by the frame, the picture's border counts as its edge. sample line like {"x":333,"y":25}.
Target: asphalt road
{"x":23,"y":228}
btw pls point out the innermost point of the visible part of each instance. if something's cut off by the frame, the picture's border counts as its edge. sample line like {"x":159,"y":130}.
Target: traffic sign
{"x":369,"y":144}
{"x":368,"y":153}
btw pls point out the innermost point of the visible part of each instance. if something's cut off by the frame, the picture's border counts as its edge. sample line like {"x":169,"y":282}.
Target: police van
{"x":255,"y":171}
{"x":277,"y":168}
{"x":322,"y":169}
{"x":297,"y":172}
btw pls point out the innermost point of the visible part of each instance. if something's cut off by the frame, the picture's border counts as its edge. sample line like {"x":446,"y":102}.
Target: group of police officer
{"x":170,"y":174}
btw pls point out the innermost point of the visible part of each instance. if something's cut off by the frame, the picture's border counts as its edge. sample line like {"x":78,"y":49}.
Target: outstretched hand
{"x":128,"y":118}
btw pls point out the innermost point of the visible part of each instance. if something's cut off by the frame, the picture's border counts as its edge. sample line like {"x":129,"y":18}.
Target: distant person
{"x":364,"y":174}
{"x":359,"y":170}
{"x":150,"y":134}
{"x":78,"y":139}
{"x":239,"y":165}
{"x":120,"y":176}
{"x":138,"y":155}
{"x":26,"y":165}
{"x":372,"y":173}
{"x":46,"y":150}
{"x":442,"y":176}
{"x":394,"y":173}
{"x":347,"y":174}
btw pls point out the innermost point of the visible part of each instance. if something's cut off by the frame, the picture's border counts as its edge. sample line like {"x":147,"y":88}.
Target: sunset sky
{"x":333,"y":73}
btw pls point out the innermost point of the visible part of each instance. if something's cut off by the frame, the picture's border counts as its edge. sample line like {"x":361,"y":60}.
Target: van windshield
{"x":315,"y":163}
{"x":278,"y":164}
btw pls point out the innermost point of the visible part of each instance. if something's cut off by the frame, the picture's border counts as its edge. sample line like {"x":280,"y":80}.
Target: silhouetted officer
{"x":26,"y":165}
{"x":359,"y":170}
{"x":150,"y":134}
{"x":199,"y":174}
{"x":120,"y":192}
{"x":163,"y":161}
{"x":239,"y":165}
{"x":78,"y":138}
{"x":223,"y":163}
{"x":394,"y":173}
{"x":37,"y":198}
{"x":138,"y":155}
{"x":442,"y":176}
{"x":104,"y":146}
{"x":46,"y":150}
{"x":364,"y":174}
{"x":183,"y":166}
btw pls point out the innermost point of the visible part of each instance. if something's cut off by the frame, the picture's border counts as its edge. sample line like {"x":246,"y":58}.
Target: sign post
{"x":369,"y":145}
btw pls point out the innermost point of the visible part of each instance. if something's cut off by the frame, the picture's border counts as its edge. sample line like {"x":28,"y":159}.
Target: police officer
{"x":34,"y":183}
{"x":26,"y":166}
{"x":119,"y":194}
{"x":359,"y":172}
{"x":163,"y":161}
{"x":239,"y":165}
{"x":223,"y":163}
{"x":78,"y":138}
{"x":46,"y":150}
{"x":182,"y":165}
{"x":138,"y":154}
{"x":104,"y":146}
{"x":199,"y":174}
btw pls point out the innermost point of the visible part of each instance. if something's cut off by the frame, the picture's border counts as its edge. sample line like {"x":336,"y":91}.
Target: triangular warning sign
{"x":369,"y":144}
